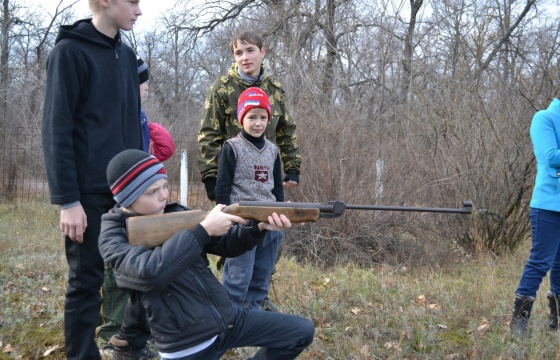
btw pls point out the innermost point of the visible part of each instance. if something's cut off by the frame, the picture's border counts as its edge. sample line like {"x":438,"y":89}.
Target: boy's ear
{"x":104,"y":3}
{"x":263,"y":53}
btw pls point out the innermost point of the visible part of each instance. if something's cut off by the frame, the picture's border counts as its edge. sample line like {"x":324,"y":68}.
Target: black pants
{"x":85,"y":277}
{"x":279,"y":336}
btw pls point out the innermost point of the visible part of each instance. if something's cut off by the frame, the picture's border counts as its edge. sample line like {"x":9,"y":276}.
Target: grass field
{"x":460,"y":311}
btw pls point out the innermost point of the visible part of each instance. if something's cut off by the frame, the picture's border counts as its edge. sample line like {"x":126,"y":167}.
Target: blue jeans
{"x":545,"y":254}
{"x":279,"y":336}
{"x":247,"y":277}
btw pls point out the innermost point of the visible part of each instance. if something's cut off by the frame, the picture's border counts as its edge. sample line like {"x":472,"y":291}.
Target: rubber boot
{"x":521,"y":314}
{"x":553,"y":303}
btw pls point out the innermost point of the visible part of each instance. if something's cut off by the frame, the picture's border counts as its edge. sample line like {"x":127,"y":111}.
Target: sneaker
{"x":268,"y":305}
{"x":122,"y":351}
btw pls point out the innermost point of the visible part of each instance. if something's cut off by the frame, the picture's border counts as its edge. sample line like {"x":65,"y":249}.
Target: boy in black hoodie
{"x":190,"y":313}
{"x":91,"y":113}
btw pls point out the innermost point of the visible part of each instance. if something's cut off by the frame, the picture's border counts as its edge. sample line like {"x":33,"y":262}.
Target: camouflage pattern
{"x":219,"y":122}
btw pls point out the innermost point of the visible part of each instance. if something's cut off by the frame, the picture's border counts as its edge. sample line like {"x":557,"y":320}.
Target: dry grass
{"x":460,"y":311}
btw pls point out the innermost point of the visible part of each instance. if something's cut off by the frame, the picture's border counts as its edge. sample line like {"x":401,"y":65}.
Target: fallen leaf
{"x":433,"y":308}
{"x":8,"y":349}
{"x":51,"y":349}
{"x":364,"y":350}
{"x":482,"y":329}
{"x":392,"y":345}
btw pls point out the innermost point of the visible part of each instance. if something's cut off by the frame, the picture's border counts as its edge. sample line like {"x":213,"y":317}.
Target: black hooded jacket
{"x":91,"y":110}
{"x":185,"y":303}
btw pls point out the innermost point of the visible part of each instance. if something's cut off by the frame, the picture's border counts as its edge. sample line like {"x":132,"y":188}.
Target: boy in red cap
{"x":188,"y":310}
{"x":250,"y":169}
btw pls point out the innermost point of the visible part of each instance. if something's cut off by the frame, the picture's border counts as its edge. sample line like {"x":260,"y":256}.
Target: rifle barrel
{"x":464,"y":210}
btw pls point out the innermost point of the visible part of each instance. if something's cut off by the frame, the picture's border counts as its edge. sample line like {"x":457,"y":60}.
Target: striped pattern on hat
{"x":130,"y":173}
{"x":251,"y":98}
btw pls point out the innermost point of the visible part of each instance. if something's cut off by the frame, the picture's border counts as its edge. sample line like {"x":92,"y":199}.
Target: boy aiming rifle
{"x":189,"y":311}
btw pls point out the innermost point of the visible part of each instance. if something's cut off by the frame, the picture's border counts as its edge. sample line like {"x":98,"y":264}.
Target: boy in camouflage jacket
{"x":219,"y":121}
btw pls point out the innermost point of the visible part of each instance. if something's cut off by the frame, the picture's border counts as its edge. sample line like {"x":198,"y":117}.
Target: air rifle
{"x":154,"y":230}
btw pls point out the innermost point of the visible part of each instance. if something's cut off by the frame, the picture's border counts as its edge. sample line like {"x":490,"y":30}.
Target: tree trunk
{"x":408,"y":49}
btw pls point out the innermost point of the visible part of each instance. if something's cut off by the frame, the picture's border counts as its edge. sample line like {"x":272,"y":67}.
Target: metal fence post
{"x":184,"y":179}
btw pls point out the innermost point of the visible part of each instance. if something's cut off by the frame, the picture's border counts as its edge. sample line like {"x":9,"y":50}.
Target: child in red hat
{"x":250,"y":169}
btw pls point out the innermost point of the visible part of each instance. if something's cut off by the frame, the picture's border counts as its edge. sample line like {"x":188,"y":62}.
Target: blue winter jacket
{"x":545,"y":135}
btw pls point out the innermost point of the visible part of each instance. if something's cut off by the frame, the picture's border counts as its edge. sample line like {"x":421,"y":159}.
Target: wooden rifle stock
{"x":152,"y":230}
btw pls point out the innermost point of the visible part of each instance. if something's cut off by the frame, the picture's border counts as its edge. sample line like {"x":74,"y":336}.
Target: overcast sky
{"x":151,"y":9}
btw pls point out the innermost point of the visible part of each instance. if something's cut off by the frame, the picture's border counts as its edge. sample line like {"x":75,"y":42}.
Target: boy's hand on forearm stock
{"x":218,"y":223}
{"x":276,"y":222}
{"x":73,"y":223}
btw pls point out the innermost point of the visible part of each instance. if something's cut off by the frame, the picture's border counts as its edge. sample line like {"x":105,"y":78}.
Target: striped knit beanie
{"x":130,"y":173}
{"x":253,"y":97}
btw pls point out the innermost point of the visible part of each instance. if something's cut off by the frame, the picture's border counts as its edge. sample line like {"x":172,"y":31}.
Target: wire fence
{"x":23,"y":177}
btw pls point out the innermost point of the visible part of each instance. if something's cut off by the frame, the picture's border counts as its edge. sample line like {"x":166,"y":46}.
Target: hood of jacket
{"x":83,"y":30}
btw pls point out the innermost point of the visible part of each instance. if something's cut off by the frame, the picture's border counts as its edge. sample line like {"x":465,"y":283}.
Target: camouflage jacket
{"x":219,"y":122}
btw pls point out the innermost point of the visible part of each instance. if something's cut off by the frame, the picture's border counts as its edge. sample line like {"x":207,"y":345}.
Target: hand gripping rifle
{"x":154,"y":230}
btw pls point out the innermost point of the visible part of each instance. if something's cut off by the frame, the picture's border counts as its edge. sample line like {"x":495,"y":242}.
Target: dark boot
{"x":268,"y":305}
{"x":122,"y":350}
{"x":259,"y":355}
{"x":553,"y":303}
{"x":521,"y":314}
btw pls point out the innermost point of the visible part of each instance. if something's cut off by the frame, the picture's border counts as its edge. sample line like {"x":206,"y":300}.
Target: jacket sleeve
{"x":544,"y":137}
{"x":211,"y":135}
{"x":237,"y":241}
{"x":62,"y":91}
{"x":226,"y":173}
{"x":278,"y":190}
{"x":162,"y":145}
{"x":286,"y":140}
{"x":140,"y":268}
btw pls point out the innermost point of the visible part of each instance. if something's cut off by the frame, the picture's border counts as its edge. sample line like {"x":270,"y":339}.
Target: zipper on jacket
{"x":209,"y":299}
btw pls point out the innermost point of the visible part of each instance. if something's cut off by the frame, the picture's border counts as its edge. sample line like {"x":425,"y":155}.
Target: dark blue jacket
{"x":91,"y":110}
{"x":185,"y":303}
